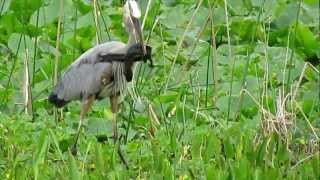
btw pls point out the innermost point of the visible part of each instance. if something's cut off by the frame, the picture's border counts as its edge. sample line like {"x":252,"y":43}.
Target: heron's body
{"x":88,"y":76}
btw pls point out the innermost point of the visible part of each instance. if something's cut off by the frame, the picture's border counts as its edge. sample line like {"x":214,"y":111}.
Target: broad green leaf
{"x":4,"y":6}
{"x":99,"y":161}
{"x":99,"y":127}
{"x":46,"y":14}
{"x":73,"y":168}
{"x":213,"y":148}
{"x":21,"y":44}
{"x":168,"y":97}
{"x":307,"y":40}
{"x":23,"y":9}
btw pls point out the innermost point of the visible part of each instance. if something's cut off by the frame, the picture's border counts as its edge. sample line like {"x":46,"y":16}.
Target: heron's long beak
{"x":137,"y":28}
{"x":135,"y":14}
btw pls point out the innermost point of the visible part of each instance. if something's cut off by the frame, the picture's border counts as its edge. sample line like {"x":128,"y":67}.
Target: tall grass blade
{"x":58,"y":36}
{"x":95,"y":15}
{"x":103,"y":20}
{"x":74,"y":173}
{"x":293,"y":46}
{"x":40,"y":153}
{"x":35,"y":50}
{"x":57,"y":59}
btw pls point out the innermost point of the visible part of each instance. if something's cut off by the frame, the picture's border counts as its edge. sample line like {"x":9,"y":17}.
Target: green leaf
{"x":24,"y":9}
{"x":213,"y":148}
{"x":99,"y":127}
{"x":307,"y":40}
{"x":8,"y":25}
{"x":82,"y":6}
{"x":99,"y":161}
{"x":261,"y":153}
{"x":315,"y":162}
{"x":228,"y":147}
{"x":46,"y":15}
{"x":4,"y":6}
{"x":168,"y":97}
{"x":22,"y":44}
{"x":196,"y":146}
{"x":242,"y":171}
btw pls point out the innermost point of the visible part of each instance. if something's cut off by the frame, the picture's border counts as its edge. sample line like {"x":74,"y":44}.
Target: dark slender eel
{"x":133,"y":54}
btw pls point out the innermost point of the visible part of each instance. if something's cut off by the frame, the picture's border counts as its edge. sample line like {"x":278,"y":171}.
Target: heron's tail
{"x":54,"y":99}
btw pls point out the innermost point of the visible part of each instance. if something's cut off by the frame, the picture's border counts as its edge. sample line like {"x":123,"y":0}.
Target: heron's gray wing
{"x":93,"y":55}
{"x":83,"y":81}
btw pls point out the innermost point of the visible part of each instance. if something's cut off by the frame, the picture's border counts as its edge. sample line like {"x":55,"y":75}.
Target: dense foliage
{"x":234,"y":93}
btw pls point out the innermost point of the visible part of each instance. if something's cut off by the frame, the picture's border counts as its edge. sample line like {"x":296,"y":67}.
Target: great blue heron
{"x":103,"y":71}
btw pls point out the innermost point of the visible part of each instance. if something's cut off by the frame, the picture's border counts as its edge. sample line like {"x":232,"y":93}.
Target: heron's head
{"x":131,"y":17}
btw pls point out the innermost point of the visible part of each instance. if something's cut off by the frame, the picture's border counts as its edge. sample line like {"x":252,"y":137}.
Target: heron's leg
{"x":114,"y":109}
{"x":85,"y":106}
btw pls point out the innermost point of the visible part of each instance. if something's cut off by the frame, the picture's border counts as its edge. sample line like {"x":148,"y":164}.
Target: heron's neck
{"x":132,"y":38}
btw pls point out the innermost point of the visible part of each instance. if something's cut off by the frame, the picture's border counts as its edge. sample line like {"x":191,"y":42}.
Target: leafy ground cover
{"x":234,"y":93}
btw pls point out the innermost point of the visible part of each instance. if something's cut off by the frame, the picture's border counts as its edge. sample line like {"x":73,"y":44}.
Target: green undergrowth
{"x":174,"y":150}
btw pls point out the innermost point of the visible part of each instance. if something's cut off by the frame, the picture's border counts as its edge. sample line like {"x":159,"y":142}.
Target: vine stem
{"x":5,"y":97}
{"x":214,"y":55}
{"x":229,"y":56}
